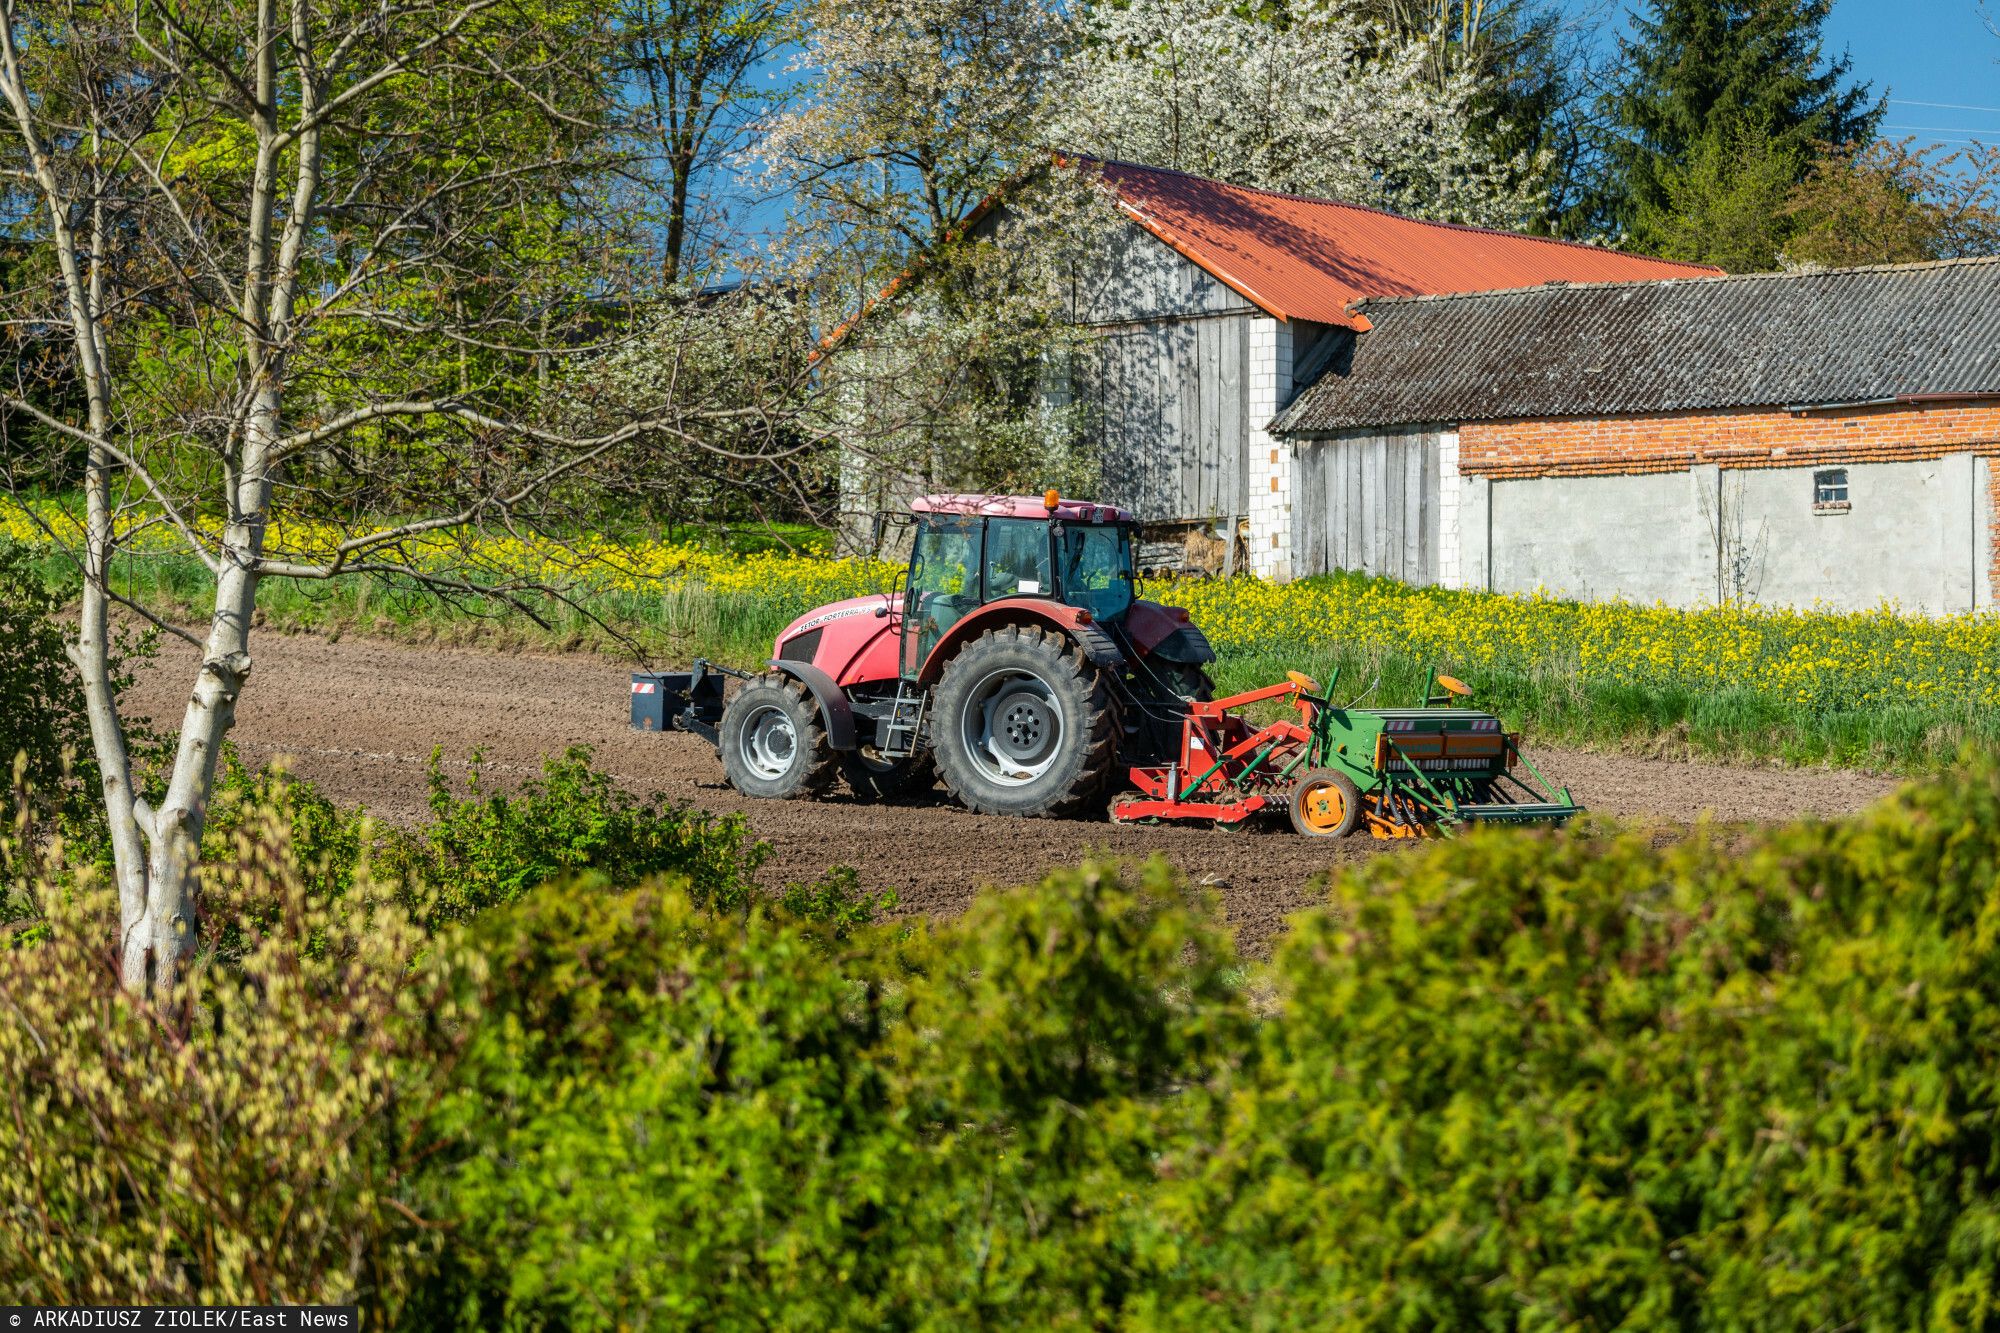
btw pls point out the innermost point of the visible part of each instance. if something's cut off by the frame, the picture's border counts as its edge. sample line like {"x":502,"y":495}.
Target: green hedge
{"x":1747,"y":1081}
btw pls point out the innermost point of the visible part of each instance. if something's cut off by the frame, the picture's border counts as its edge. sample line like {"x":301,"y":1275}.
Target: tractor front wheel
{"x":1023,"y":724}
{"x":1326,"y":804}
{"x":773,"y":744}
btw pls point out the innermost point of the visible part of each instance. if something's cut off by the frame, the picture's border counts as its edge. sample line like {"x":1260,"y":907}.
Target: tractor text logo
{"x":831,"y":616}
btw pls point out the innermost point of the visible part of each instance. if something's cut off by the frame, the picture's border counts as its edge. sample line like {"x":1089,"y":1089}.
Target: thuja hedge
{"x":1747,"y":1081}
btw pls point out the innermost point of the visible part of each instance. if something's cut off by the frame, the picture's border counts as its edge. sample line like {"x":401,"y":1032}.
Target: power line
{"x":1943,"y":106}
{"x":1941,"y":129}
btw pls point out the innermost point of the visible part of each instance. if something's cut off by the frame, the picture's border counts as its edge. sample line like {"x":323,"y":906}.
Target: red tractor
{"x":1017,"y":663}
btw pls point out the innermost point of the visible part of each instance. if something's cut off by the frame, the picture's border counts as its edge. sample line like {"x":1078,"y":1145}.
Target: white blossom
{"x":1325,"y":104}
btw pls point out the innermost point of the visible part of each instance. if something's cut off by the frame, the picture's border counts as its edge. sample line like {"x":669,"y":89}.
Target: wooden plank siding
{"x":1367,"y":502}
{"x":1167,"y":397}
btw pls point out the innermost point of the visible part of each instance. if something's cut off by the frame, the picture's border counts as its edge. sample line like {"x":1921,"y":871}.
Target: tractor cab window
{"x":1097,"y":568}
{"x":1017,"y":558}
{"x":944,"y":583}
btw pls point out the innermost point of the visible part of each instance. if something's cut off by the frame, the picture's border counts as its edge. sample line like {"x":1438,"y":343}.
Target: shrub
{"x":1538,"y":1082}
{"x":44,"y":716}
{"x":1060,"y":1054}
{"x":489,"y":847}
{"x":1514,"y":1081}
{"x":670,"y":1119}
{"x":248,"y":1140}
{"x":44,"y":724}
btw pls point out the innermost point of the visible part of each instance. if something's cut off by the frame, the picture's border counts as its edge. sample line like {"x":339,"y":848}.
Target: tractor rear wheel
{"x":1188,"y":680}
{"x":1023,"y":724}
{"x":1326,"y":804}
{"x":773,"y":743}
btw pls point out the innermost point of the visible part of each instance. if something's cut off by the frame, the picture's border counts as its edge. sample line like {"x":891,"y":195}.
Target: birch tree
{"x":1316,"y":100}
{"x":255,"y":223}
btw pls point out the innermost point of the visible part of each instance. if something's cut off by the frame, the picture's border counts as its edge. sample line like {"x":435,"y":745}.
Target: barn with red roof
{"x":1213,"y":304}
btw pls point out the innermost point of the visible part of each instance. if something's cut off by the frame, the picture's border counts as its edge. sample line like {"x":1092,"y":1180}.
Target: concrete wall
{"x":1987,"y":485}
{"x":1916,"y":533}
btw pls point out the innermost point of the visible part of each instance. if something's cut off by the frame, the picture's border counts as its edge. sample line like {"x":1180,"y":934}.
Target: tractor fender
{"x":834,"y":709}
{"x":1166,"y":632}
{"x":1099,"y":647}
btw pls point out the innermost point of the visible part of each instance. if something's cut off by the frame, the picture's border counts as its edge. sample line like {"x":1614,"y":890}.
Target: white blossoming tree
{"x":940,"y":314}
{"x":1319,"y":100}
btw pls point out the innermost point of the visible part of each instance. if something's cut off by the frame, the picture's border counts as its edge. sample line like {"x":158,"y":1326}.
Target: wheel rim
{"x":770,"y":743}
{"x":1012,"y":727}
{"x":1323,"y":806}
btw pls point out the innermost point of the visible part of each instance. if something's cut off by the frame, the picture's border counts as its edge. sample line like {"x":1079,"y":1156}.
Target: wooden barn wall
{"x":1136,"y":277}
{"x":1169,"y":398}
{"x":1367,"y":502}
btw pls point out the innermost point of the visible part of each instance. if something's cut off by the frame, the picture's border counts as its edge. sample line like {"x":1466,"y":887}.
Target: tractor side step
{"x":897,"y":733}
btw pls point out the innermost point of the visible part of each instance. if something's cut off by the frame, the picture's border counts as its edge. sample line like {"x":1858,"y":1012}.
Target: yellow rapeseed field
{"x":1811,"y":660}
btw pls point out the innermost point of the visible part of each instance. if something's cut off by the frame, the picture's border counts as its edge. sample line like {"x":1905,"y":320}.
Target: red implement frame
{"x":1227,"y":769}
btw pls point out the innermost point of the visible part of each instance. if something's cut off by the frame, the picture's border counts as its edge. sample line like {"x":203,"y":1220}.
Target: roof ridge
{"x":1792,"y":275}
{"x":1324,"y":202}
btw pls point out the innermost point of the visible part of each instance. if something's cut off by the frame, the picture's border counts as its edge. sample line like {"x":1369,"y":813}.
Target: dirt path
{"x":359,"y":717}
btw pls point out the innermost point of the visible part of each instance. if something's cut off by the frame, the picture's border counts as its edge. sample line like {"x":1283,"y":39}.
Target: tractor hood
{"x":819,"y":617}
{"x":852,"y":641}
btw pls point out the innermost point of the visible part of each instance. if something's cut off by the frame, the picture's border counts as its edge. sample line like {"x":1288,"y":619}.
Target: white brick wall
{"x":1451,"y":572}
{"x":1270,"y":460}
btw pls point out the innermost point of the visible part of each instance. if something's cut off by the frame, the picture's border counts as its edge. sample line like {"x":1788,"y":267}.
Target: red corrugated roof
{"x":1299,"y":258}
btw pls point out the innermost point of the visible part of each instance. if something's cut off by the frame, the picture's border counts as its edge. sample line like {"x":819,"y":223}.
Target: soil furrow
{"x":359,"y":718}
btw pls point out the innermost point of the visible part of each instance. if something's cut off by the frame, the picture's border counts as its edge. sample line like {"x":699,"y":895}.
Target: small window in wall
{"x":1830,"y":491}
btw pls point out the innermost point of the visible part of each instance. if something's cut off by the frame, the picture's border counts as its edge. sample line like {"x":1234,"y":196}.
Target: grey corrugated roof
{"x":1768,"y":339}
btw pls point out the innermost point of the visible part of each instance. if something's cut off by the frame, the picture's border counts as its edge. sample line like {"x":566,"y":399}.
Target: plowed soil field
{"x":359,"y":718}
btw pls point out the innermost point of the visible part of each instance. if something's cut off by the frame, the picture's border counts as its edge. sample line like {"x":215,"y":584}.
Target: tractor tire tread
{"x":1089,"y":785}
{"x":822,"y":764}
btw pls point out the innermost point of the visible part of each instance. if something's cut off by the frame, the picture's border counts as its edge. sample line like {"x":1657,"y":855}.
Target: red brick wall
{"x":1737,"y":438}
{"x":1740,"y":437}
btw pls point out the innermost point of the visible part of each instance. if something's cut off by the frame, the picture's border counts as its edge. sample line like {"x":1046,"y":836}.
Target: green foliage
{"x":1725,"y":204}
{"x":1513,"y":1081}
{"x":1709,"y":76}
{"x":44,"y":718}
{"x":1062,"y":1058}
{"x":667,"y":1120}
{"x":1746,"y":1083}
{"x":836,"y":902}
{"x":489,"y":846}
{"x":671,"y":1121}
{"x":45,"y":724}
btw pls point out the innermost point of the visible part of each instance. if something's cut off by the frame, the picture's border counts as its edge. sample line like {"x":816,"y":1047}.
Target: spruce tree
{"x":1704,"y":77}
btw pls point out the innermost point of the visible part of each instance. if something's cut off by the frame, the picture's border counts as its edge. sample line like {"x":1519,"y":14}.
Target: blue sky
{"x":1936,"y":59}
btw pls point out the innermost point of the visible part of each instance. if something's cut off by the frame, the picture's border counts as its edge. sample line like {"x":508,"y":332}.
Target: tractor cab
{"x":969,"y":550}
